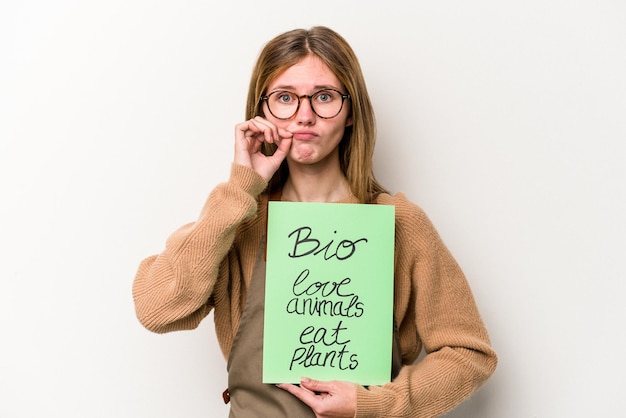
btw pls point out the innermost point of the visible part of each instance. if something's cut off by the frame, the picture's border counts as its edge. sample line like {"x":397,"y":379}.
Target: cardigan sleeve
{"x":435,"y":309}
{"x":172,"y":290}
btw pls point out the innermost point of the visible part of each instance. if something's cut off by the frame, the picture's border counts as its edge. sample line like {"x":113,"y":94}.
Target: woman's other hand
{"x":334,"y":399}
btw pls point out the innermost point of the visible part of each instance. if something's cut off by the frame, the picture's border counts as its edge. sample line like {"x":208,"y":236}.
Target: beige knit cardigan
{"x":207,"y":264}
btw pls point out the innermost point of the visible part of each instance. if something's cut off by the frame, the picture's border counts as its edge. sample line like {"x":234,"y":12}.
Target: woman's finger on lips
{"x":282,"y":133}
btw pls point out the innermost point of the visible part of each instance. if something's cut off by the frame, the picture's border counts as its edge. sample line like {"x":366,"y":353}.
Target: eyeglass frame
{"x":344,"y":96}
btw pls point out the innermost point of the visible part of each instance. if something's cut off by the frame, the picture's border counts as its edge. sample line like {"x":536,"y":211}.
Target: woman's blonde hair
{"x":356,"y":148}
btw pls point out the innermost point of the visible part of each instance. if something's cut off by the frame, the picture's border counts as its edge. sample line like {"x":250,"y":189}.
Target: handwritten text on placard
{"x":329,"y":291}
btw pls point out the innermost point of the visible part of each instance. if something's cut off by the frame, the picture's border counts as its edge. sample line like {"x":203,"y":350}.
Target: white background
{"x":505,"y":121}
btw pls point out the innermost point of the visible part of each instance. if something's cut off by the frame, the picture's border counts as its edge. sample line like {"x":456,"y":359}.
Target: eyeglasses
{"x":326,"y":103}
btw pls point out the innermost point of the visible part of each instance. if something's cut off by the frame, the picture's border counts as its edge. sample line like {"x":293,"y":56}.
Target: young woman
{"x":309,"y":137}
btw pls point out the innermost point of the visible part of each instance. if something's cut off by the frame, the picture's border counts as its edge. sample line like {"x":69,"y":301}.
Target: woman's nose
{"x":305,"y":113}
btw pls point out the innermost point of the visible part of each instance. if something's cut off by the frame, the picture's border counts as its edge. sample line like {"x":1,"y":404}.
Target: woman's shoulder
{"x":405,"y":208}
{"x":410,"y":217}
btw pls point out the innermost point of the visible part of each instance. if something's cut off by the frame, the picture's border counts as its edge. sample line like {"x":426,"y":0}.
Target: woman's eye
{"x":285,"y":98}
{"x":324,"y":96}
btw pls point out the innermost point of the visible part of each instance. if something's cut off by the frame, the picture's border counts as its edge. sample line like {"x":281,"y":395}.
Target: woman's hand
{"x":333,"y":399}
{"x":250,"y":135}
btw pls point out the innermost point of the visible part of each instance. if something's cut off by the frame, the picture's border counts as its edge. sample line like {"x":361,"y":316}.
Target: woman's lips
{"x":304,"y":135}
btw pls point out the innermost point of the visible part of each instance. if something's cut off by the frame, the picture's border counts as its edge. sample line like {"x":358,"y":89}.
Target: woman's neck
{"x":308,"y":184}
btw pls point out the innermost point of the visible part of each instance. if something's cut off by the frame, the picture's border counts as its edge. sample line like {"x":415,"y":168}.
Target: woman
{"x":309,"y":137}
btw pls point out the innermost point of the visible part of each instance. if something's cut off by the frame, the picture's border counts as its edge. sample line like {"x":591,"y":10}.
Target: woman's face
{"x":315,"y":139}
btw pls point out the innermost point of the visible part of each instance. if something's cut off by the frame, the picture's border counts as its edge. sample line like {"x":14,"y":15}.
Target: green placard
{"x":329,"y":292}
